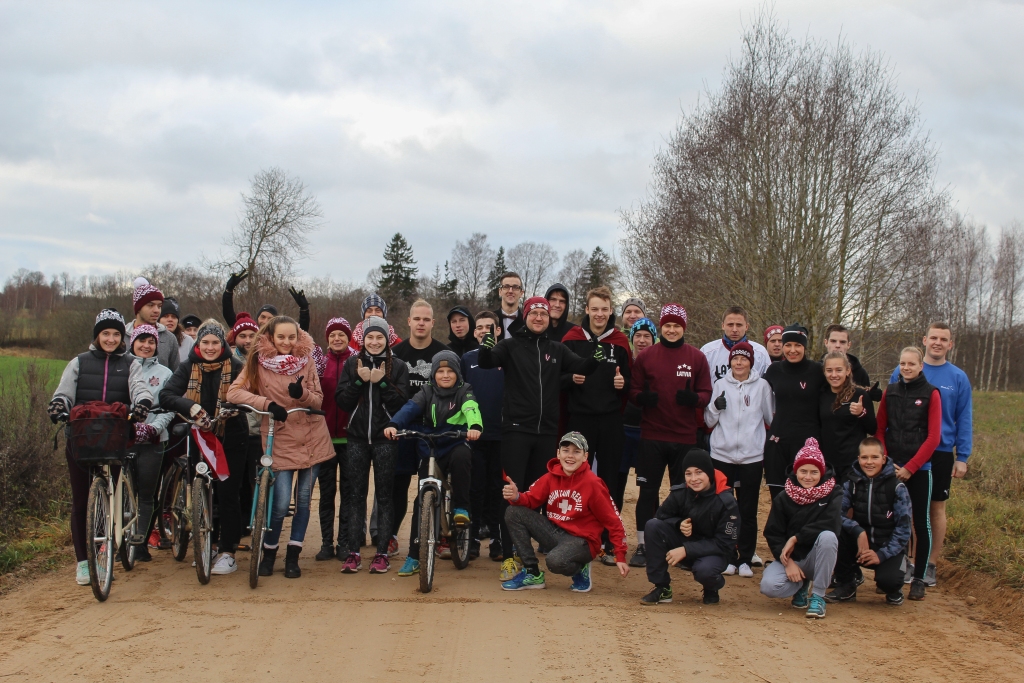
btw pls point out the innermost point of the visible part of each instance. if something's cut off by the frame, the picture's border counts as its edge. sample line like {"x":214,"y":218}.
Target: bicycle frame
{"x":115,"y":496}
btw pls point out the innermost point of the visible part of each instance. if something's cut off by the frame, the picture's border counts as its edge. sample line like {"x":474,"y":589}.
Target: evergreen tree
{"x":600,"y":269}
{"x":494,"y":279}
{"x":447,"y":287}
{"x":398,"y":272}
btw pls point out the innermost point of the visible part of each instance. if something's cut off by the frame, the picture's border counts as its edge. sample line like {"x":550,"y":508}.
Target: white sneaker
{"x":225,"y":565}
{"x":746,"y":572}
{"x":82,"y":573}
{"x":730,"y":570}
{"x":756,"y":561}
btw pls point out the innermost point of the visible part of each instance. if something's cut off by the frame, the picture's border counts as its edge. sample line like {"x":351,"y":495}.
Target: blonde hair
{"x":847,"y":391}
{"x":421,"y":303}
{"x":913,"y":349}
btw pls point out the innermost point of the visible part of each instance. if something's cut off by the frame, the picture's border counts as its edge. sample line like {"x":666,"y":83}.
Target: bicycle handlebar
{"x":410,"y":433}
{"x":245,"y":408}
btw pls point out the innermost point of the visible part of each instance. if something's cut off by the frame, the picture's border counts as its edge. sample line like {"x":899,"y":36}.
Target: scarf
{"x":195,"y":386}
{"x":802,"y":496}
{"x":729,"y":343}
{"x":284,"y":364}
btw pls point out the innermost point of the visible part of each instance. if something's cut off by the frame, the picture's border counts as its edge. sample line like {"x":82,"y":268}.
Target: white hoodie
{"x":738,"y":436}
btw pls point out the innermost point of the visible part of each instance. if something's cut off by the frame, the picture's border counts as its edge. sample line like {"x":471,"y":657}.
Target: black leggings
{"x":524,"y":459}
{"x":149,"y":460}
{"x":400,"y":498}
{"x":229,"y":503}
{"x":332,"y":477}
{"x":485,"y":490}
{"x":745,"y":481}
{"x":80,"y":482}
{"x":654,"y":457}
{"x":360,"y":454}
{"x":919,"y":486}
{"x":888,"y":573}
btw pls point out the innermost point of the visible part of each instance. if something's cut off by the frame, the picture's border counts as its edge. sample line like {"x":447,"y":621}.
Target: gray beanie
{"x":448,"y":359}
{"x":213,"y":327}
{"x":375,"y":323}
{"x":633,"y":301}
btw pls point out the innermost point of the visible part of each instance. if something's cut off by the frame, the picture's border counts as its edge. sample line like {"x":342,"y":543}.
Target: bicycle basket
{"x":99,"y":432}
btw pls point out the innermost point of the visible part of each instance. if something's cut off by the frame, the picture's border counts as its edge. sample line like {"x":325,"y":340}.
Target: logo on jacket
{"x":563,"y":501}
{"x":547,"y":356}
{"x":918,"y":402}
{"x":154,"y":381}
{"x":746,"y":400}
{"x":803,"y":385}
{"x":684,"y":370}
{"x":888,"y":514}
{"x":451,"y":405}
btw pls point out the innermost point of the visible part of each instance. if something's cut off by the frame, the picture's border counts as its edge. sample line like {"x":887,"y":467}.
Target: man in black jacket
{"x":460,"y":335}
{"x":558,"y":303}
{"x":510,"y":290}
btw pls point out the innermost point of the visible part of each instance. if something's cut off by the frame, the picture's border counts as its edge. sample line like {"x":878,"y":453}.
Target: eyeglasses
{"x":510,"y":288}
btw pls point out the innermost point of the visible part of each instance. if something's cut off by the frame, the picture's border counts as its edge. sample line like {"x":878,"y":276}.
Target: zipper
{"x":369,"y":411}
{"x":871,"y":491}
{"x":106,"y":373}
{"x":540,"y":384}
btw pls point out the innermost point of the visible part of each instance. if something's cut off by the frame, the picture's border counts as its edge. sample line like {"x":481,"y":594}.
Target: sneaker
{"x":608,"y":558}
{"x":340,"y":553}
{"x":859,"y":576}
{"x":895,"y":598}
{"x":710,"y":597}
{"x":380,"y":564}
{"x":581,"y":582}
{"x":800,"y":600}
{"x":746,"y":572}
{"x":730,"y":570}
{"x":82,"y":573}
{"x":444,"y":550}
{"x":816,"y":610}
{"x":393,"y":546}
{"x":326,"y":553}
{"x":509,"y":569}
{"x":917,"y":590}
{"x":353,"y":563}
{"x":842,"y":593}
{"x":410,"y":567}
{"x":639,"y":558}
{"x":494,"y":550}
{"x":659,"y":595}
{"x":929,"y":575}
{"x":461,"y":517}
{"x":154,"y":540}
{"x":908,"y":575}
{"x":525,"y":581}
{"x":224,"y":565}
{"x":142,"y":554}
{"x":756,"y":561}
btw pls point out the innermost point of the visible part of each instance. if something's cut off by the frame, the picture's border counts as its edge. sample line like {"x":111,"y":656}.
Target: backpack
{"x":99,"y":432}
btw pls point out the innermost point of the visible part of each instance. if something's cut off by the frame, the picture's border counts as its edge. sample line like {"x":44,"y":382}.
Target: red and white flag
{"x":213,"y":452}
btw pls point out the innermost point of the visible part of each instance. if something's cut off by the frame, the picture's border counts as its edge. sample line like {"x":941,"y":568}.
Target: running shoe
{"x":380,"y":564}
{"x":410,"y":567}
{"x":730,"y":570}
{"x":929,"y":575}
{"x":895,"y":598}
{"x":461,"y":517}
{"x":639,"y":558}
{"x":443,"y":549}
{"x":710,"y":597}
{"x":659,"y":595}
{"x":745,"y":571}
{"x":581,"y":582}
{"x":154,"y":540}
{"x":756,"y":561}
{"x":908,"y":575}
{"x":509,"y":569}
{"x":917,"y":590}
{"x":816,"y":609}
{"x":494,"y":550}
{"x":82,"y":573}
{"x":800,"y":600}
{"x":353,"y":563}
{"x":225,"y":565}
{"x":842,"y":593}
{"x":525,"y":581}
{"x":608,"y":558}
{"x":393,"y":546}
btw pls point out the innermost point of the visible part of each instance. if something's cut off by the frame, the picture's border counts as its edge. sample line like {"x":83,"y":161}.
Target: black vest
{"x":907,"y":412}
{"x":873,"y":501}
{"x":96,"y":369}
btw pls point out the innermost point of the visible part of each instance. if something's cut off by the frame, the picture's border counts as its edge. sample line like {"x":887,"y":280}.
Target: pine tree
{"x":447,"y":287}
{"x":494,"y":279}
{"x":398,"y":272}
{"x":600,"y":269}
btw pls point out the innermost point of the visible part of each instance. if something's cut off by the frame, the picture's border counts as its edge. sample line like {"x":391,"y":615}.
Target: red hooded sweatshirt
{"x":580,"y":504}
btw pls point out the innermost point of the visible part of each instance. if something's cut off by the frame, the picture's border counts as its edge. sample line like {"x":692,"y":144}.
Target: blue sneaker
{"x":410,"y":567}
{"x":800,"y":599}
{"x":581,"y":582}
{"x":816,"y":610}
{"x":461,"y":517}
{"x":523,"y":581}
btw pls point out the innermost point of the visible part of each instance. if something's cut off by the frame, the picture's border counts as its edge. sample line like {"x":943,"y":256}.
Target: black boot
{"x":267,"y":563}
{"x":291,"y":562}
{"x":326,"y":552}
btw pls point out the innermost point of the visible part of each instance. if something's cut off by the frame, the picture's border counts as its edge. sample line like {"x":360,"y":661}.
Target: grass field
{"x":12,"y":366}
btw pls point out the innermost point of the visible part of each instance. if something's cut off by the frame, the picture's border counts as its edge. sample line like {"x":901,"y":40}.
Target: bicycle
{"x":435,"y":497}
{"x":263,"y":491}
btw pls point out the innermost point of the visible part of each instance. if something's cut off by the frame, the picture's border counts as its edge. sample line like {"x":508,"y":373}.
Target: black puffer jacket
{"x":715,"y":518}
{"x":172,"y":396}
{"x":371,"y":406}
{"x":788,"y":518}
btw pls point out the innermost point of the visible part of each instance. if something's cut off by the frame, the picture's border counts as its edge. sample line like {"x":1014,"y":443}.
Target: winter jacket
{"x":99,"y":376}
{"x":155,"y":375}
{"x":467,"y":343}
{"x":579,"y":504}
{"x":910,"y":422}
{"x":184,"y":346}
{"x":714,"y":515}
{"x":434,"y":410}
{"x":665,"y":369}
{"x":841,"y":432}
{"x":337,"y":419}
{"x":797,"y":387}
{"x":717,"y":354}
{"x":517,"y":324}
{"x":302,"y":440}
{"x":166,"y":347}
{"x":788,"y":518}
{"x":489,"y":388}
{"x":371,"y":406}
{"x":172,"y":395}
{"x":533,"y":366}
{"x":957,"y":412}
{"x":557,"y":333}
{"x":879,"y":506}
{"x":598,"y":395}
{"x":255,"y":421}
{"x":738,"y":435}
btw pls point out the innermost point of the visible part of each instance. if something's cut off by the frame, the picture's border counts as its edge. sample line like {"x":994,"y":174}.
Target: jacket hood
{"x":752,"y":379}
{"x":555,"y":468}
{"x":303,"y":346}
{"x":557,"y":287}
{"x":611,"y":335}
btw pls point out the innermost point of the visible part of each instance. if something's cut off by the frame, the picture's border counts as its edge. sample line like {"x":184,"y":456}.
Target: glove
{"x":685,"y":397}
{"x":647,"y":398}
{"x":235,"y":279}
{"x":56,"y":410}
{"x":141,"y":410}
{"x":874,"y":393}
{"x":145,"y":433}
{"x":489,"y":341}
{"x":300,"y":297}
{"x":295,"y":388}
{"x":279,"y":413}
{"x":598,"y":353}
{"x":720,"y":402}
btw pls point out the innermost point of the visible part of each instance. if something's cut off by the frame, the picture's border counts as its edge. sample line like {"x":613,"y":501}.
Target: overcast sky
{"x":128,"y":130}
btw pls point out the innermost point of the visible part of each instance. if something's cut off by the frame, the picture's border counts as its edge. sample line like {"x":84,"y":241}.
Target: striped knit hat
{"x":377,"y":300}
{"x":338,"y":323}
{"x":144,"y":293}
{"x":108,"y":319}
{"x":810,"y":454}
{"x":140,"y":330}
{"x":673,"y":313}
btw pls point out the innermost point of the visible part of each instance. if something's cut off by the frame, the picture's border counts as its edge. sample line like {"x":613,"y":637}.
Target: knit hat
{"x":267,"y":308}
{"x":244,"y":321}
{"x":810,"y":454}
{"x":170,"y":307}
{"x":795,"y":333}
{"x":771,"y":331}
{"x":108,"y":319}
{"x":191,"y":320}
{"x":673,"y":313}
{"x":375,"y":323}
{"x":557,"y":287}
{"x":633,"y":301}
{"x":377,"y":300}
{"x":701,"y":459}
{"x":643,"y":324}
{"x":742,"y":349}
{"x":446,"y":359}
{"x":144,"y":293}
{"x":213,"y":327}
{"x":338,"y":324}
{"x":577,"y":440}
{"x":535,"y":302}
{"x":140,"y":330}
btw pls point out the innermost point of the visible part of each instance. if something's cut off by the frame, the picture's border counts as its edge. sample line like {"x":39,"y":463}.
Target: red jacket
{"x":580,"y":504}
{"x":337,"y":419}
{"x":665,"y":371}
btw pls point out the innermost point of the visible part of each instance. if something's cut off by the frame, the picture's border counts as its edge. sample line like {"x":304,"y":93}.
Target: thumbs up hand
{"x":685,"y":397}
{"x":720,"y":402}
{"x":619,"y":382}
{"x":857,"y":407}
{"x":510,"y":492}
{"x":362,"y":371}
{"x":295,"y":388}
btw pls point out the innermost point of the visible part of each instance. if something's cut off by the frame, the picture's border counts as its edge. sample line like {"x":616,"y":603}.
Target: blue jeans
{"x":282,"y":497}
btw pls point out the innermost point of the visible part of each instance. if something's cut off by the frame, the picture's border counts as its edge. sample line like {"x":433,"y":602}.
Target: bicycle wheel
{"x":100,"y":550}
{"x":460,"y":546}
{"x":428,"y":539}
{"x":127,"y":552}
{"x":259,"y":524}
{"x":179,"y":517}
{"x":202,"y":528}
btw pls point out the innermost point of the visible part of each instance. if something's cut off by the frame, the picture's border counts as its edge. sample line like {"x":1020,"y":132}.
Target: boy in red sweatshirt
{"x":579,"y":509}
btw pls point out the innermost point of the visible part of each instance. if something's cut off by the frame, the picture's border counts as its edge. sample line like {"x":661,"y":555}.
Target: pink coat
{"x":303,"y":440}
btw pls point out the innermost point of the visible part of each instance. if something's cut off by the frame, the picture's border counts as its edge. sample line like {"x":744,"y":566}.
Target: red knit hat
{"x":771,"y":331}
{"x":535,"y":302}
{"x":810,"y":454}
{"x":338,"y":324}
{"x":673,"y":313}
{"x":742,"y":349}
{"x":244,"y":321}
{"x":144,"y":293}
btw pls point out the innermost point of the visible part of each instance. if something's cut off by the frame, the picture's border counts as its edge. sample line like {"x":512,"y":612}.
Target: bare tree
{"x":573,"y":275}
{"x":471,"y":261}
{"x":535,"y":263}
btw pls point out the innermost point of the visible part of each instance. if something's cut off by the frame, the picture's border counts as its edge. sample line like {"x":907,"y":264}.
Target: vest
{"x":907,"y":411}
{"x":873,"y":501}
{"x":103,"y":378}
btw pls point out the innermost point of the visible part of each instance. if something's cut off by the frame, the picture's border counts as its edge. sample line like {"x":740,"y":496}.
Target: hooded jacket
{"x":558,"y":332}
{"x":154,"y":375}
{"x":172,"y":395}
{"x":598,"y":395}
{"x":371,"y":406}
{"x":166,"y":347}
{"x":841,"y":432}
{"x":580,"y":504}
{"x":880,"y":507}
{"x":738,"y":435}
{"x":302,"y":440}
{"x":714,"y":514}
{"x":467,"y":343}
{"x":789,"y":518}
{"x":98,"y":376}
{"x":337,"y":419}
{"x":488,"y":387}
{"x":717,"y":354}
{"x":664,"y":369}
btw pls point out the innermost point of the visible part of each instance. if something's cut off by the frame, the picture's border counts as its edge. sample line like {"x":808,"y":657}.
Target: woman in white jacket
{"x":742,"y":406}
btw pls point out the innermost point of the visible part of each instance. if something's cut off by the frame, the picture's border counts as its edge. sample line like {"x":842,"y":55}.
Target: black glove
{"x":56,"y":410}
{"x":295,"y":388}
{"x":685,"y":397}
{"x":489,"y":341}
{"x":720,"y":402}
{"x":141,"y":410}
{"x":300,"y":297}
{"x":874,"y":393}
{"x":647,"y":398}
{"x":278,"y":413}
{"x":598,"y":353}
{"x":235,"y":279}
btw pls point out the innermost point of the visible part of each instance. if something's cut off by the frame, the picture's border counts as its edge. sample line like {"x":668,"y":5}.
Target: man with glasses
{"x":510,"y":289}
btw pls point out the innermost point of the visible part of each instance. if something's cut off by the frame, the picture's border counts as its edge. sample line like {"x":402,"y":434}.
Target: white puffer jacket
{"x":739,"y":435}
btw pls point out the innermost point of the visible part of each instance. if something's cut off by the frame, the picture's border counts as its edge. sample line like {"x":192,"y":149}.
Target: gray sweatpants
{"x":567,"y":553}
{"x":817,"y":566}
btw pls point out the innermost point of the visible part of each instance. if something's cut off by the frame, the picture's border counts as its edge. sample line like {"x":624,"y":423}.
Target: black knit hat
{"x":795,"y":333}
{"x":191,"y":320}
{"x":170,"y":307}
{"x":701,"y":459}
{"x":108,"y":319}
{"x":267,"y":308}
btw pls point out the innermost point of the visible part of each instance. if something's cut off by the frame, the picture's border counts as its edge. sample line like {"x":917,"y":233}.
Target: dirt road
{"x":160,"y":624}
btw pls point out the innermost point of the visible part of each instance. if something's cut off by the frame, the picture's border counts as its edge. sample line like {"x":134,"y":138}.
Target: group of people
{"x":553,"y":415}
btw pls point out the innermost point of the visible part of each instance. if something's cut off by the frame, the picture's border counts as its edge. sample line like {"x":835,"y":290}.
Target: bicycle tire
{"x":202,"y":529}
{"x":428,"y":539}
{"x":259,"y":524}
{"x":129,"y":511}
{"x":99,"y":526}
{"x":179,"y":517}
{"x":165,"y":501}
{"x":460,"y":546}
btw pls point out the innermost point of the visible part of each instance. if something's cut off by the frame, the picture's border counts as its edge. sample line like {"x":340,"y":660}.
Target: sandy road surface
{"x":160,"y":624}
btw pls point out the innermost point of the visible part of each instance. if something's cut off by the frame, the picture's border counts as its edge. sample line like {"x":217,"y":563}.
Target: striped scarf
{"x":195,"y":386}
